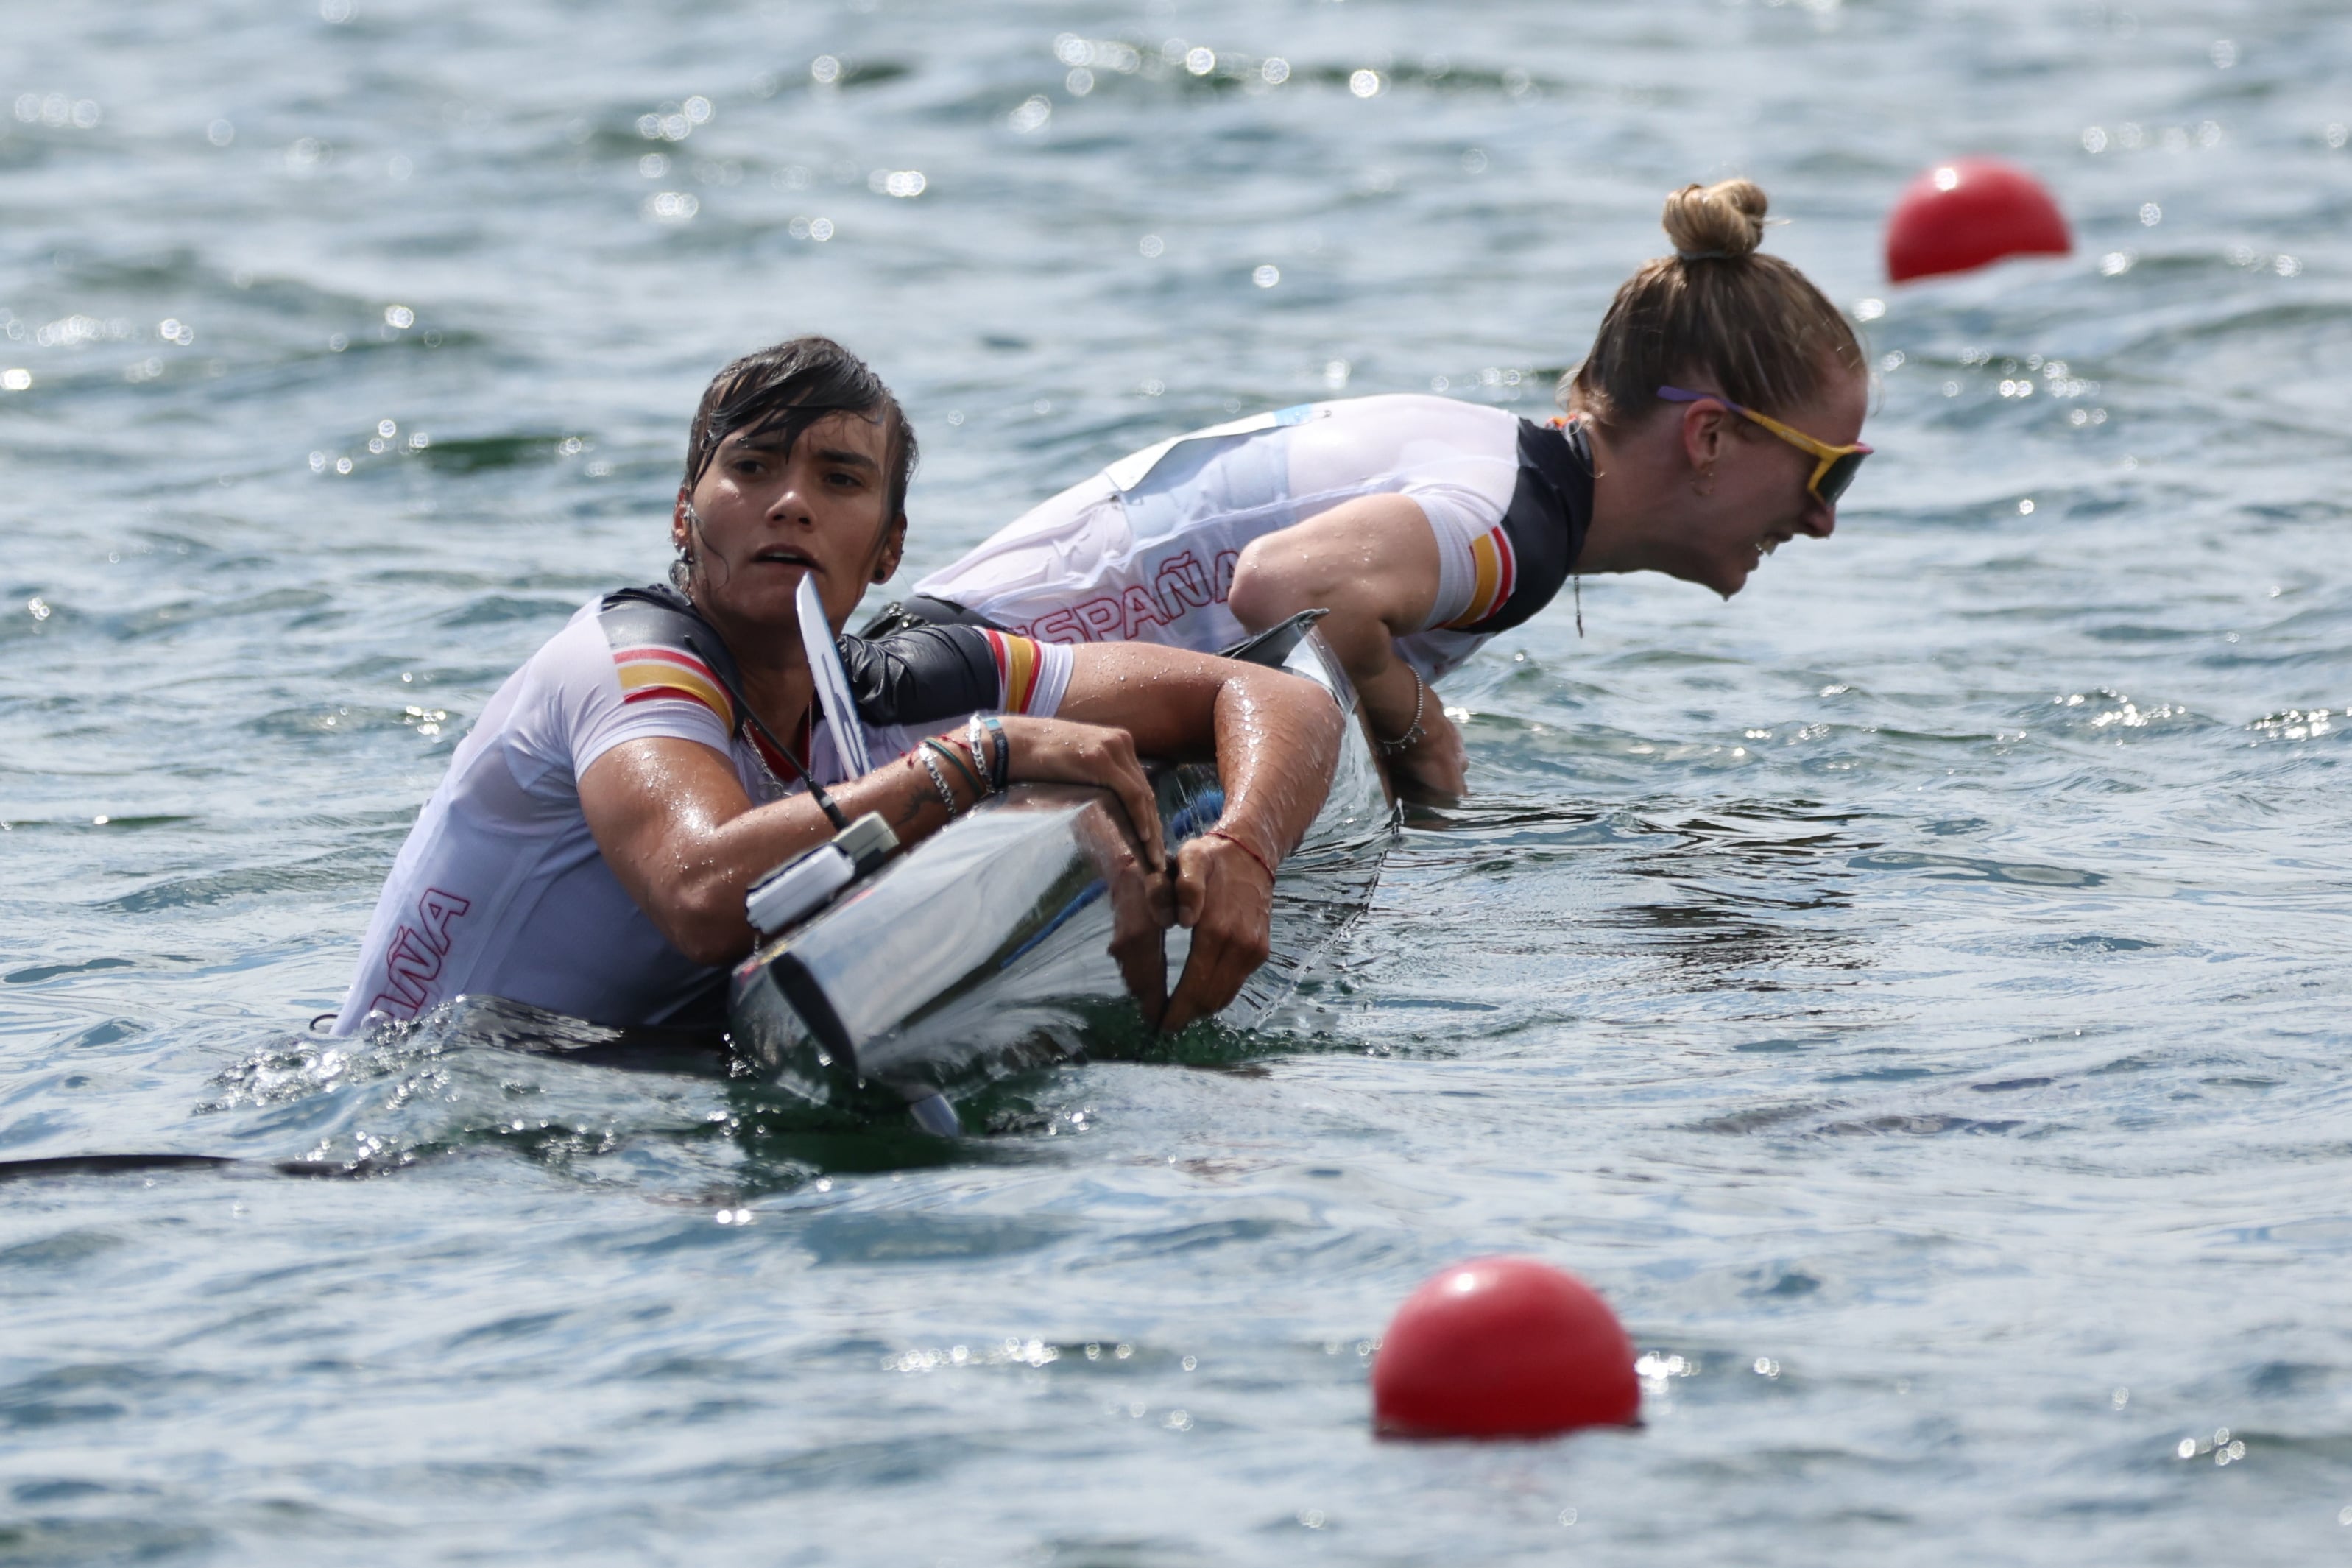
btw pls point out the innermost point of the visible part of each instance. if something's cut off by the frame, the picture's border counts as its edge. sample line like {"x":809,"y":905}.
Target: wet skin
{"x":1693,"y":490}
{"x":672,"y":818}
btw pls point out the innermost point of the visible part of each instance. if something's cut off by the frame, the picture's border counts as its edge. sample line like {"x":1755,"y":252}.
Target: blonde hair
{"x":1714,"y":313}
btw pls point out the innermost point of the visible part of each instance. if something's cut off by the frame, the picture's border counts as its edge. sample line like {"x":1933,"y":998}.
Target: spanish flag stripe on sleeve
{"x":1496,"y":574}
{"x":1016,"y":671}
{"x":653,"y":674}
{"x":664,"y":655}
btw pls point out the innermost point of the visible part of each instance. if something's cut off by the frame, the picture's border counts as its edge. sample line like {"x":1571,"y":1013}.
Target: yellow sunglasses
{"x":1835,"y":467}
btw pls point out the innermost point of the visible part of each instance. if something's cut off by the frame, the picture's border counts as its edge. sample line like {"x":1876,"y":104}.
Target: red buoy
{"x":1967,"y":213}
{"x":1503,"y":1347}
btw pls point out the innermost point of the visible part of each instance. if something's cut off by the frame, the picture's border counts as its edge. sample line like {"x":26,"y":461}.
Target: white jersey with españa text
{"x":1145,"y":550}
{"x":501,"y":890}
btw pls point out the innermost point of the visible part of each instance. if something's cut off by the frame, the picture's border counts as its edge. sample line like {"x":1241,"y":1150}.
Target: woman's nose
{"x":790,"y":505}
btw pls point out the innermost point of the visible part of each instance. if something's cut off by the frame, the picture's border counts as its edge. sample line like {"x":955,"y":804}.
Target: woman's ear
{"x":894,"y":545}
{"x":680,"y":535}
{"x":1702,"y":432}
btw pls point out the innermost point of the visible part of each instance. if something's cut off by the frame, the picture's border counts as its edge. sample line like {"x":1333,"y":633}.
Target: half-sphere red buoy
{"x":1967,"y":213}
{"x":1503,"y":1347}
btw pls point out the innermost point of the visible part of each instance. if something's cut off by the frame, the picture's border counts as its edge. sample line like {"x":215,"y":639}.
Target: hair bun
{"x":1723,"y":221}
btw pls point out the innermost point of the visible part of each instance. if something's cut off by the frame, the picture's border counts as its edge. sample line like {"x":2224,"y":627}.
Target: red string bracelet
{"x":1221,"y":833}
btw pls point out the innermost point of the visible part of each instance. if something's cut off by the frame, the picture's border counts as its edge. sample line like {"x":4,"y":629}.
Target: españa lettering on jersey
{"x":1147,"y":549}
{"x":413,"y":963}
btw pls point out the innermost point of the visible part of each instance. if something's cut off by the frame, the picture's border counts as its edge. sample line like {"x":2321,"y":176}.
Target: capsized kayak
{"x":1022,"y":928}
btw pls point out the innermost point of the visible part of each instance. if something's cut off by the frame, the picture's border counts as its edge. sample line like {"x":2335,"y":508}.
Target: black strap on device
{"x":688,"y":624}
{"x":816,"y":791}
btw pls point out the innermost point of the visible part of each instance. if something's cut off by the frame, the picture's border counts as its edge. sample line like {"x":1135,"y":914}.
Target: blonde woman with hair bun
{"x":1717,"y":416}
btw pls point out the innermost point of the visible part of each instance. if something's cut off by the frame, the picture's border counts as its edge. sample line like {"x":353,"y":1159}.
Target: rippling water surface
{"x":1913,"y":992}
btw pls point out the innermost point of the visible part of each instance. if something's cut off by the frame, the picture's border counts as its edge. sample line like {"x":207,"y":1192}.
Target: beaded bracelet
{"x":1263,"y":863}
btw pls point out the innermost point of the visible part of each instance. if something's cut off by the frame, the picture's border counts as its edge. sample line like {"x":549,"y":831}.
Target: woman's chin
{"x":763,"y":605}
{"x":1715,"y":573}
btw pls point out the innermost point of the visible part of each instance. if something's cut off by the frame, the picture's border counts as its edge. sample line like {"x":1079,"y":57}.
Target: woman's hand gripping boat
{"x":1026,"y":929}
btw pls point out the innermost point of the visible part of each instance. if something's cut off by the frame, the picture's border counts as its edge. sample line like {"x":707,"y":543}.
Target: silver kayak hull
{"x":1020,"y":932}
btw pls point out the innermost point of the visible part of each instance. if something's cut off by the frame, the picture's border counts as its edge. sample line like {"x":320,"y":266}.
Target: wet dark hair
{"x":1716,"y":313}
{"x":789,"y":387}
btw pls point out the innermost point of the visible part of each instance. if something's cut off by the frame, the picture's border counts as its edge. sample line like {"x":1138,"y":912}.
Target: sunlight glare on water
{"x":1910,"y":991}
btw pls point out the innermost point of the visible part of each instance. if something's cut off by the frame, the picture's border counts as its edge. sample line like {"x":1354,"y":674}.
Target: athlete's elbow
{"x":717,"y":946}
{"x":1268,"y":588}
{"x":1301,"y":713}
{"x":1317,"y":726}
{"x":1322,"y":727}
{"x":706,"y":924}
{"x":1279,"y":752}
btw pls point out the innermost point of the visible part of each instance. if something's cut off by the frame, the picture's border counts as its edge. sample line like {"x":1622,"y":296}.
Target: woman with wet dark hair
{"x":590,"y":849}
{"x":786,"y":388}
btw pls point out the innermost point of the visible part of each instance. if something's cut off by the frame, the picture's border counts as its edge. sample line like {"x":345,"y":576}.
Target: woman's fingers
{"x":1220,"y":890}
{"x":1127,"y":781}
{"x":1092,"y":754}
{"x":1190,"y":892}
{"x":1138,"y":943}
{"x":1225,"y":898}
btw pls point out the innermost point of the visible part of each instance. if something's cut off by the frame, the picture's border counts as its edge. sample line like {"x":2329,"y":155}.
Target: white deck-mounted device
{"x":803,"y":884}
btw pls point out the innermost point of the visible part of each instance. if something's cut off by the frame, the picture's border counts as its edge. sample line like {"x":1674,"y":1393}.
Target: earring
{"x":683,"y":567}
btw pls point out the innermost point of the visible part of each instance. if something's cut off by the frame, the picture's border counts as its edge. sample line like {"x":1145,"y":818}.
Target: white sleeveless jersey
{"x":1145,"y":550}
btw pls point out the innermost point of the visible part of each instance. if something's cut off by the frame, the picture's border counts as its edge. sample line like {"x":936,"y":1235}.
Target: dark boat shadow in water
{"x":407,"y":1095}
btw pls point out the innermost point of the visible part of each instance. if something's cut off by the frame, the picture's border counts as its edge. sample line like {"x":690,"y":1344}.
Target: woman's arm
{"x":673,"y":822}
{"x":1276,"y":739}
{"x":1373,"y":563}
{"x":685,"y":842}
